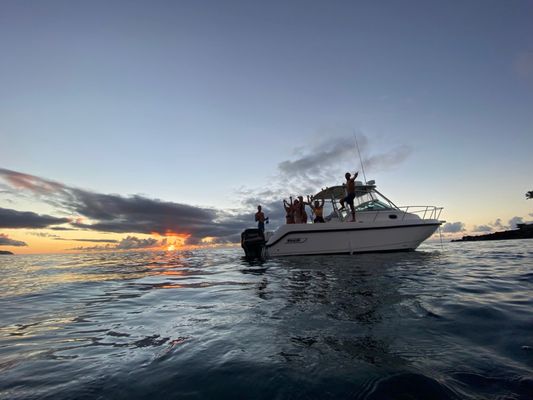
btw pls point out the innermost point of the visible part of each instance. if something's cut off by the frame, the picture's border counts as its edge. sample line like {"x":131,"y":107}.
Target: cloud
{"x":128,"y":243}
{"x":383,"y":161}
{"x":514,"y":221}
{"x":317,"y":165}
{"x":43,"y":234}
{"x":482,"y":228}
{"x":312,"y":167}
{"x":453,"y":227}
{"x":24,"y":181}
{"x":115,"y":213}
{"x":93,"y":248}
{"x":120,"y":214}
{"x":272,"y":207}
{"x":88,"y":240}
{"x":137,"y":214}
{"x":497,"y":224}
{"x":6,"y":241}
{"x":132,"y":242}
{"x":27,"y":219}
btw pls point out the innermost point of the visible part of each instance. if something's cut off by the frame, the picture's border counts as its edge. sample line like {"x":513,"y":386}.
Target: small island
{"x":5,"y":252}
{"x":524,"y":231}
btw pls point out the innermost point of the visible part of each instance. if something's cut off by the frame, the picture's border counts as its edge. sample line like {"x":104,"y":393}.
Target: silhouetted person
{"x":260,"y":218}
{"x":289,"y":211}
{"x":303,"y":213}
{"x":297,"y":215}
{"x":318,"y":210}
{"x":350,"y":193}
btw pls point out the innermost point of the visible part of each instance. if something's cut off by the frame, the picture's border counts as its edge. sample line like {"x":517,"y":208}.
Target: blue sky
{"x":198,"y":102}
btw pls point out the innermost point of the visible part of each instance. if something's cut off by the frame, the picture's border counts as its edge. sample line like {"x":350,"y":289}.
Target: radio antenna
{"x":360,"y":158}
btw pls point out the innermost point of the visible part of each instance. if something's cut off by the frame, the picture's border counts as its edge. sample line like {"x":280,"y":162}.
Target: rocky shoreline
{"x":524,"y":231}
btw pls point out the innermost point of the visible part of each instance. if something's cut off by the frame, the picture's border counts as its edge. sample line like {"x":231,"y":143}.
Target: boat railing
{"x":424,"y":212}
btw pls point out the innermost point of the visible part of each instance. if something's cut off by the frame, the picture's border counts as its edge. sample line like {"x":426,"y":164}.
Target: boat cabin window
{"x":372,"y":205}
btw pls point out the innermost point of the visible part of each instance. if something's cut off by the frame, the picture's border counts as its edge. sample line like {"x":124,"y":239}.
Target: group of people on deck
{"x":295,"y":210}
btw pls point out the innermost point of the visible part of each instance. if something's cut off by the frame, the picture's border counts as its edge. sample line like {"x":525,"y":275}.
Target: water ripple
{"x":441,"y":323}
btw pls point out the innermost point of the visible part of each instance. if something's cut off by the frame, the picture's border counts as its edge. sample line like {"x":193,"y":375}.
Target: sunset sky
{"x":148,"y":124}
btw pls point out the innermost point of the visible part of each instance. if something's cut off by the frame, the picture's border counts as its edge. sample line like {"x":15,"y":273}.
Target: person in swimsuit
{"x":296,"y":212}
{"x":350,"y":193}
{"x":318,"y":210}
{"x":260,"y":218}
{"x":289,"y":211}
{"x":303,"y":213}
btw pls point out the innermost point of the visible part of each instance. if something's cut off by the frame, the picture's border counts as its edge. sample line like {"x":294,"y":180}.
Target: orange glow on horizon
{"x":171,"y":241}
{"x":44,"y":241}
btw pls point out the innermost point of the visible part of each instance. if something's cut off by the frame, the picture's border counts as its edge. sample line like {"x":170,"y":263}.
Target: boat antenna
{"x":360,"y":158}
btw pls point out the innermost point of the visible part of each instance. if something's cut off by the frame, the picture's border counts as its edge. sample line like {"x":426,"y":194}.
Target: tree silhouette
{"x":529,"y":195}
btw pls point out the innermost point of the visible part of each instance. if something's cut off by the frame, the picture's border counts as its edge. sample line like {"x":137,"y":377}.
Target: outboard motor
{"x":253,"y":243}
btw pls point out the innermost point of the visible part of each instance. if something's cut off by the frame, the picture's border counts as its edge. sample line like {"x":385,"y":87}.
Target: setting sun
{"x":171,"y":248}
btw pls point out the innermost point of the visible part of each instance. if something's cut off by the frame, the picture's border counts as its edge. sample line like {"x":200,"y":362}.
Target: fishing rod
{"x":360,"y":158}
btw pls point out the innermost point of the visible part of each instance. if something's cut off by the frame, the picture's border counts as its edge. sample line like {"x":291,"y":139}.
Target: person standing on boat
{"x":318,"y":210}
{"x":350,"y":193}
{"x":296,"y":212}
{"x":260,"y":218}
{"x":289,"y":211}
{"x":303,"y":213}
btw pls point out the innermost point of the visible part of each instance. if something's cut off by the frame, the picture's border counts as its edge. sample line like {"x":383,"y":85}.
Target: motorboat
{"x":380,"y":226}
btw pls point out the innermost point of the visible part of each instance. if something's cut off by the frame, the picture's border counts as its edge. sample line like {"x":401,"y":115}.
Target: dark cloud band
{"x":6,"y":241}
{"x":13,"y":219}
{"x":88,"y":240}
{"x":115,"y":213}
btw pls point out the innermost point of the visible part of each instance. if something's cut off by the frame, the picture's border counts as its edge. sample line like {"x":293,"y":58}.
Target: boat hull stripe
{"x":350,"y":229}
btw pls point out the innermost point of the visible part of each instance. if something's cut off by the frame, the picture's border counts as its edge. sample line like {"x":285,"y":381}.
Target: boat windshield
{"x":372,"y":205}
{"x":373,"y":200}
{"x":367,"y":198}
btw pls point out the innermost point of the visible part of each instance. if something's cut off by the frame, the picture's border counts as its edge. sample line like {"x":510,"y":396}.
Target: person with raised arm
{"x":350,"y":193}
{"x":318,"y":210}
{"x":289,"y":210}
{"x":303,"y":213}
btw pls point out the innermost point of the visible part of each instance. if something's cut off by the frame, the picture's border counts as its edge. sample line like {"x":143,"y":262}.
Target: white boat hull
{"x":349,"y":237}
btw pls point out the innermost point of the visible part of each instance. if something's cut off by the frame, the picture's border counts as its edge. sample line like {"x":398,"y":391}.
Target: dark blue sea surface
{"x":450,"y":322}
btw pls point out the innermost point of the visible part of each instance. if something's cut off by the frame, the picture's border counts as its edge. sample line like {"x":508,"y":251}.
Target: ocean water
{"x":445,"y":322}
